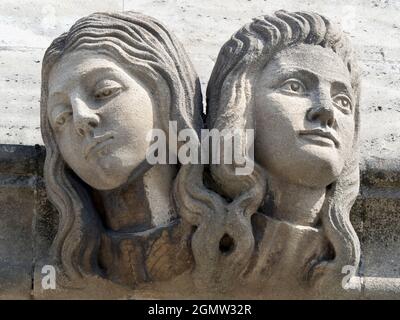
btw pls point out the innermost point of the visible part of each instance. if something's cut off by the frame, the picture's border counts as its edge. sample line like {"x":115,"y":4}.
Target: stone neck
{"x":140,"y":205}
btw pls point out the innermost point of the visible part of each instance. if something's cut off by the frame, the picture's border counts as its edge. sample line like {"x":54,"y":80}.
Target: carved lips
{"x":320,"y":137}
{"x":97,"y":144}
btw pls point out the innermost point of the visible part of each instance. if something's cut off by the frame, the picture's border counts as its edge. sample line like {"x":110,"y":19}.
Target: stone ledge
{"x":21,"y":160}
{"x":28,"y":217}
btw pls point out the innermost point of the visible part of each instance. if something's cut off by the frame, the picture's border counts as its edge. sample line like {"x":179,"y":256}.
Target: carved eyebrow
{"x":62,"y":88}
{"x":301,"y":73}
{"x":288,"y":72}
{"x":338,"y":87}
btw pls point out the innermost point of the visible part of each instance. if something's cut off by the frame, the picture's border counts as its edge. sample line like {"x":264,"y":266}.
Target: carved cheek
{"x":268,"y":106}
{"x":63,"y":137}
{"x":290,"y":111}
{"x":345,"y":129}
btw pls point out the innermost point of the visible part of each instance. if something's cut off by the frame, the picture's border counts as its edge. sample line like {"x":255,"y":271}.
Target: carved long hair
{"x":230,"y":105}
{"x":146,"y":48}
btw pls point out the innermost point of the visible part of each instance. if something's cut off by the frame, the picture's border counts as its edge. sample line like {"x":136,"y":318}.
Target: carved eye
{"x":107,"y":89}
{"x":62,"y":118}
{"x":343,"y":102}
{"x":293,"y":86}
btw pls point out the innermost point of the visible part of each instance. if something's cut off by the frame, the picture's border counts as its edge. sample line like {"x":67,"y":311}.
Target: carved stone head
{"x":293,"y":78}
{"x":105,"y":84}
{"x":290,"y":77}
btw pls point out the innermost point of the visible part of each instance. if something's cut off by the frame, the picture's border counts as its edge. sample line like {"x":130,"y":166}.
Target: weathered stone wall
{"x":19,"y":178}
{"x":27,"y":27}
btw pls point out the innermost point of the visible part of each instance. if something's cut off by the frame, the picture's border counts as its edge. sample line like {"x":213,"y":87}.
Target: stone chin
{"x":321,"y":165}
{"x":107,"y":173}
{"x":311,"y":166}
{"x":105,"y":180}
{"x":321,"y":172}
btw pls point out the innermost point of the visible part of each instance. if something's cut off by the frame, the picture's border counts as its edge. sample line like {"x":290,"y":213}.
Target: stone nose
{"x":85,"y":118}
{"x":323,"y":113}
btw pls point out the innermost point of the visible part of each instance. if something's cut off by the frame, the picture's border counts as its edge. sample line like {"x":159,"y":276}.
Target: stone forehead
{"x":80,"y":62}
{"x":314,"y":58}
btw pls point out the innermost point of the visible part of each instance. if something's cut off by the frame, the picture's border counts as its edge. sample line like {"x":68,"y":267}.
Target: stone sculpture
{"x":282,"y":231}
{"x":105,"y":84}
{"x":293,"y":78}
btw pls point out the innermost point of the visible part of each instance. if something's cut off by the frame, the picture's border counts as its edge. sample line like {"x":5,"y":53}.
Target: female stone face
{"x":304,"y":115}
{"x":100,"y":115}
